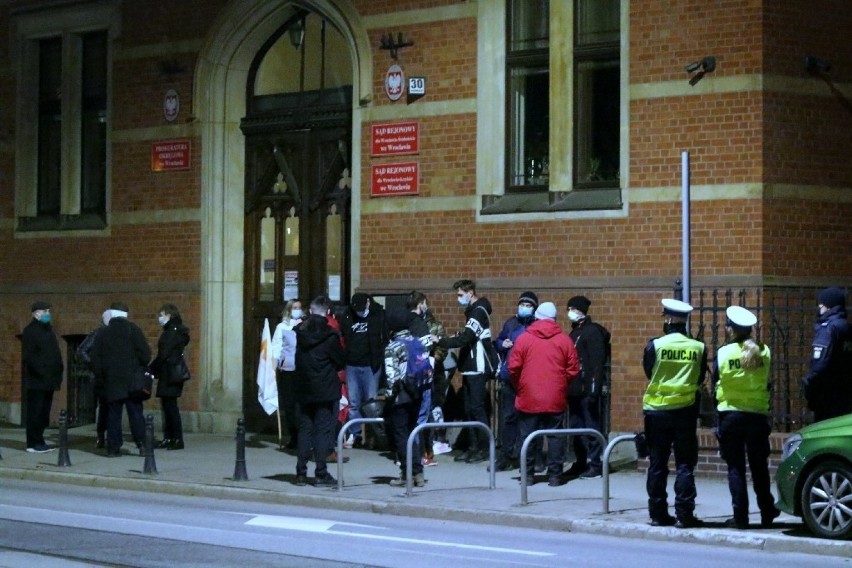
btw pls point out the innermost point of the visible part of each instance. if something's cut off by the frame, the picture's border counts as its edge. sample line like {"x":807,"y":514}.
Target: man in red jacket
{"x":543,"y":363}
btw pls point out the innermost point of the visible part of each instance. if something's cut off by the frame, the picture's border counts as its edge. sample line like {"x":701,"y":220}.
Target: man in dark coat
{"x":42,"y":374}
{"x":319,"y":357}
{"x":119,"y":352}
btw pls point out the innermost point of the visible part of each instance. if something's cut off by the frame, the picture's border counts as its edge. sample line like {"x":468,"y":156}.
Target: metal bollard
{"x":148,"y":446}
{"x":240,"y":473}
{"x":64,"y":460}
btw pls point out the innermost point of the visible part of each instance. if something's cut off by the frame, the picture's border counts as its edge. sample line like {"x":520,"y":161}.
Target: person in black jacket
{"x":119,"y":352}
{"x":319,"y":357}
{"x":42,"y":362}
{"x":365,"y":335}
{"x":584,"y":393}
{"x":169,"y":367}
{"x":477,"y":363}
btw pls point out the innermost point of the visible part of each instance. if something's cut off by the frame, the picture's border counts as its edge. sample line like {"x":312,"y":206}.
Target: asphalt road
{"x":52,"y":525}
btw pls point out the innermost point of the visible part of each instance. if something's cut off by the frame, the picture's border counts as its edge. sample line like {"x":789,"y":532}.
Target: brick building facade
{"x":768,"y":139}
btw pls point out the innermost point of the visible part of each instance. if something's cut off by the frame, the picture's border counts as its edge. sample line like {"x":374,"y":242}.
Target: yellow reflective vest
{"x":746,"y":390}
{"x":676,"y":373}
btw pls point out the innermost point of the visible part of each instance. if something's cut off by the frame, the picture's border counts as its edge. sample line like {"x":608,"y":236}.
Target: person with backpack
{"x":477,"y":363}
{"x":409,"y":374}
{"x":592,"y":341}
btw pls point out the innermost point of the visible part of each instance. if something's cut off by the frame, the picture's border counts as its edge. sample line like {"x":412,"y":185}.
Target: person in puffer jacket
{"x":542,"y":365}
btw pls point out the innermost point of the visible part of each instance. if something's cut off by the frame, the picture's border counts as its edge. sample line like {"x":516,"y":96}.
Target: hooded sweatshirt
{"x":319,"y":357}
{"x":542,"y":364}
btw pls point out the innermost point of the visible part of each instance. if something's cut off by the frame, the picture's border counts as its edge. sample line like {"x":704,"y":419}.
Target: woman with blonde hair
{"x":283,"y":352}
{"x":741,"y":379}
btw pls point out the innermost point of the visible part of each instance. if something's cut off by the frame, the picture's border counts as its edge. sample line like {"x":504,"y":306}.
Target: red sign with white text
{"x":168,"y":155}
{"x":395,"y":179}
{"x":395,"y":138}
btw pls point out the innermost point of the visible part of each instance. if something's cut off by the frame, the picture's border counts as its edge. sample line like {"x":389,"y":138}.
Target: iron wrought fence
{"x":785,"y":319}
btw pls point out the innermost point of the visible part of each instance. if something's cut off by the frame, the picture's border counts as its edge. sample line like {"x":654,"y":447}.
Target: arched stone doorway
{"x":242,"y":31}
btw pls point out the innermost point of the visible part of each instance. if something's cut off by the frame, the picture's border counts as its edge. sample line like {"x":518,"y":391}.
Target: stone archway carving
{"x":218,"y":105}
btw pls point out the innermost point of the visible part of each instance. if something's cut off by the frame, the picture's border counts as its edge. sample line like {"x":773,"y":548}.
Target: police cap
{"x":740,"y":317}
{"x":676,"y":308}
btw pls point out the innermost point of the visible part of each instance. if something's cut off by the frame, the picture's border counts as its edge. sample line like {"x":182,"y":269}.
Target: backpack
{"x":418,"y":372}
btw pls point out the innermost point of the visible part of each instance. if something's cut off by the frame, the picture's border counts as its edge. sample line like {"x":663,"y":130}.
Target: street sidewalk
{"x":454,"y":491}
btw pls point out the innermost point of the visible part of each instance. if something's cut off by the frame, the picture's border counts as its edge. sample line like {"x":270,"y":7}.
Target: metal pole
{"x":341,"y":436}
{"x":606,"y":454}
{"x":150,"y":465}
{"x":685,"y":223}
{"x":64,"y":460}
{"x":240,"y":473}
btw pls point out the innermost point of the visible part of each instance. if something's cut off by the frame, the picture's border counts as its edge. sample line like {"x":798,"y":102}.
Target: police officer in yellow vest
{"x":675,"y":365}
{"x":741,"y":378}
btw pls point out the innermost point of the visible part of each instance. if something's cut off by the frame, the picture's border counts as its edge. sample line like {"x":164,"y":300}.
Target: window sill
{"x":57,"y":223}
{"x":552,"y":201}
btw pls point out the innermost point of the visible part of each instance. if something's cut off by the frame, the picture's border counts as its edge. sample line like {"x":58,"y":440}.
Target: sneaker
{"x":688,"y":522}
{"x":576,"y":470}
{"x":664,"y":521}
{"x":504,"y":464}
{"x":398,"y":482}
{"x":428,"y":462}
{"x":40,"y":449}
{"x":439,"y":448}
{"x":419,"y":480}
{"x":464,"y":456}
{"x":540,"y":466}
{"x":591,"y":473}
{"x":554,"y":481}
{"x":164,"y":443}
{"x":175,"y":445}
{"x":349,"y":442}
{"x":325,"y":481}
{"x":301,"y":480}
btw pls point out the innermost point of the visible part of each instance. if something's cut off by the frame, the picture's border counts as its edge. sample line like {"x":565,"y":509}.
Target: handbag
{"x":141,"y":384}
{"x":180,"y":372}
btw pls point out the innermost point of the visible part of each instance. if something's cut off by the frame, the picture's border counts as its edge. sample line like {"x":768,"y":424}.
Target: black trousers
{"x":584,"y":412}
{"x":745,"y":435}
{"x":403,"y":419}
{"x":664,"y":430}
{"x":103,"y":413}
{"x":317,"y":422}
{"x":287,"y":402}
{"x":172,"y":423}
{"x":38,"y":415}
{"x":475,"y":392}
{"x":529,"y":423}
{"x":115,"y":438}
{"x":510,"y":433}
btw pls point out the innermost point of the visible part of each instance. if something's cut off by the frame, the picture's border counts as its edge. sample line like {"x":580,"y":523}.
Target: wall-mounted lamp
{"x":394,"y":45}
{"x":816,"y":65}
{"x":701,"y":68}
{"x":297,"y":33}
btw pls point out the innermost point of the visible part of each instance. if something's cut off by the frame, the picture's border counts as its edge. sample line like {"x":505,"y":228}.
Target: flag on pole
{"x":267,"y":388}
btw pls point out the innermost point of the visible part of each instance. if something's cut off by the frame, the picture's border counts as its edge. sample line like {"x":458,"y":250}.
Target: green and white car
{"x":815,"y":477}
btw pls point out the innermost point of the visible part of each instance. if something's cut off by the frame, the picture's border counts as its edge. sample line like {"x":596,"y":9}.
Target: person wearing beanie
{"x":510,"y":436}
{"x":674,"y":365}
{"x":42,"y":371}
{"x":742,"y":381}
{"x":828,"y":383}
{"x":120,"y":351}
{"x":585,"y":400}
{"x":542,"y":365}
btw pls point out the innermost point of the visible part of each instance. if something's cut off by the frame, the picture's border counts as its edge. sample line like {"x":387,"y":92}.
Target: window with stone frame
{"x":62,"y":152}
{"x":595,"y":73}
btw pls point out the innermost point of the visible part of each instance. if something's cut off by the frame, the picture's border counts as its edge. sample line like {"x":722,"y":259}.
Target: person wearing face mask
{"x":173,"y":340}
{"x":675,"y":365}
{"x":510,"y":436}
{"x":283,"y":351}
{"x":584,"y":395}
{"x":42,"y":369}
{"x":365,"y":335}
{"x":828,"y":384}
{"x":477,"y":363}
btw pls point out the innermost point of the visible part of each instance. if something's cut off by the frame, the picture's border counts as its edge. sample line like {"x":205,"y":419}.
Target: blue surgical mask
{"x":363,"y":314}
{"x":525,"y":311}
{"x":296,"y":314}
{"x":45,"y":318}
{"x":163,"y":320}
{"x":464,"y":301}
